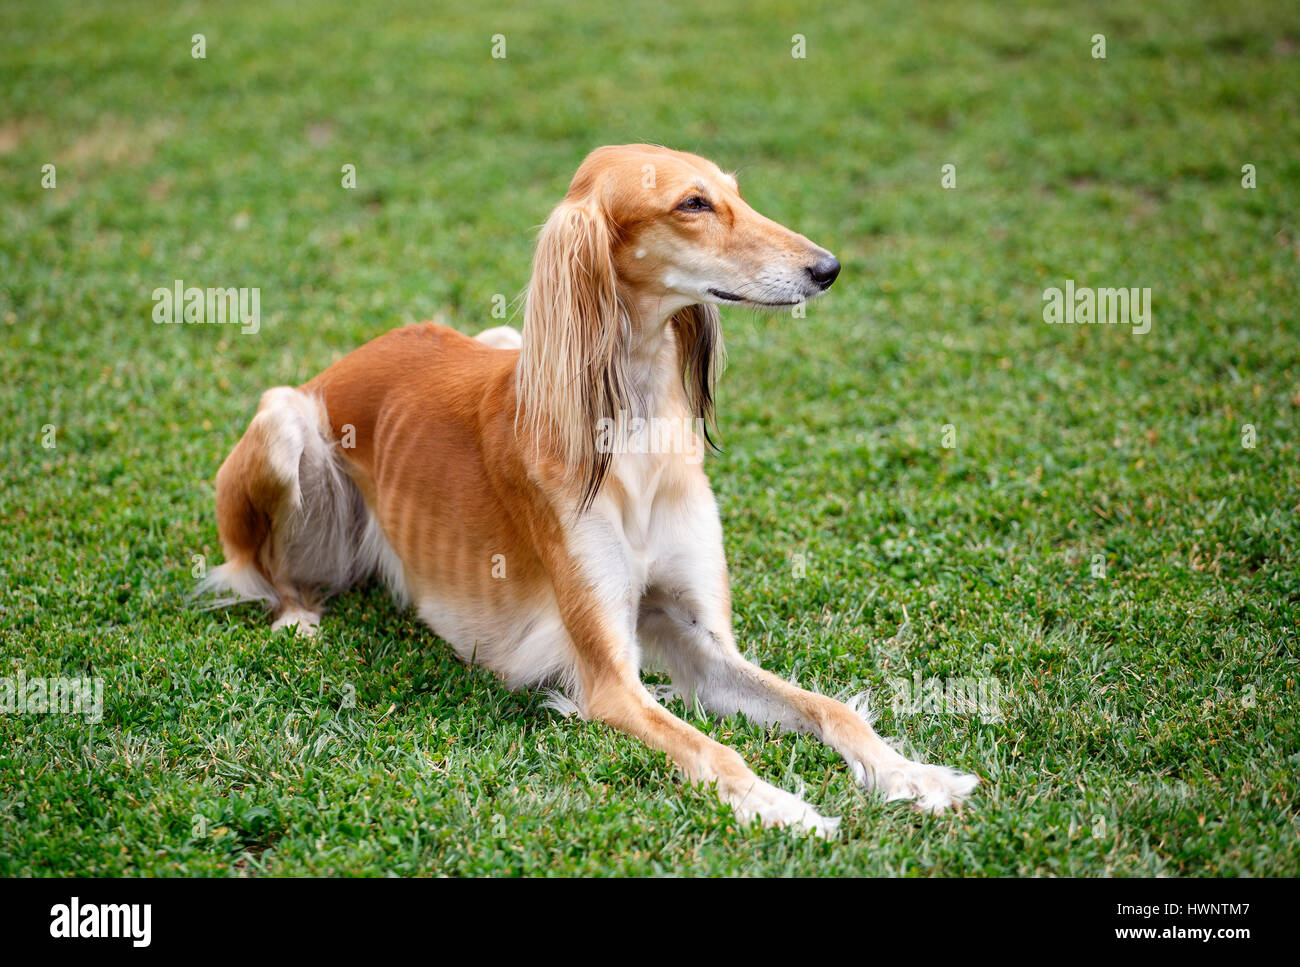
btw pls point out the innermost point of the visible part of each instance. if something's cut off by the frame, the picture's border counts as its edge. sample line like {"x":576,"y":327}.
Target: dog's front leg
{"x":599,"y":613}
{"x":617,"y":697}
{"x":685,"y":625}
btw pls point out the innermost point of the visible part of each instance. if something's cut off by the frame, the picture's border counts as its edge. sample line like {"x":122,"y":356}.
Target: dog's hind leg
{"x":291,"y":521}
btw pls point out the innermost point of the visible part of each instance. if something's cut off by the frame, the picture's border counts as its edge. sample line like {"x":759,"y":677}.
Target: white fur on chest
{"x":655,"y":520}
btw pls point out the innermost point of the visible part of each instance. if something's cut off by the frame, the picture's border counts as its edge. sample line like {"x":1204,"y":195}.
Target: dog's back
{"x":304,"y":508}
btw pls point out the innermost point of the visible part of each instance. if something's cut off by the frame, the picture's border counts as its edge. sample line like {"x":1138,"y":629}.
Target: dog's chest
{"x":653,"y":491}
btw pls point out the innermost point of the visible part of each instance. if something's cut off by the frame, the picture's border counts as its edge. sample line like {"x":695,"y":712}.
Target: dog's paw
{"x":776,"y":807}
{"x":305,"y":623}
{"x":933,"y":788}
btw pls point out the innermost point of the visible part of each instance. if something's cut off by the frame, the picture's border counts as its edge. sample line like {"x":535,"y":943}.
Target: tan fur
{"x":466,"y":456}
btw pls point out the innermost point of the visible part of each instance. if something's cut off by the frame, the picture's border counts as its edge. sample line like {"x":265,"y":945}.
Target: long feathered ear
{"x":699,"y":347}
{"x":573,"y":367}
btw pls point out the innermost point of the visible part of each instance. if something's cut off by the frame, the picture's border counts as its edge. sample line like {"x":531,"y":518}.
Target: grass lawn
{"x":1109,"y":545}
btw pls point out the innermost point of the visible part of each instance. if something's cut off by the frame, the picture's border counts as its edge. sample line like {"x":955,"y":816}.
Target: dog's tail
{"x":293,"y":525}
{"x":234,"y":582}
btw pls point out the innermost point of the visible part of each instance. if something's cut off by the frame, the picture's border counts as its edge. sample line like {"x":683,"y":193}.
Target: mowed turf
{"x":1101,"y":548}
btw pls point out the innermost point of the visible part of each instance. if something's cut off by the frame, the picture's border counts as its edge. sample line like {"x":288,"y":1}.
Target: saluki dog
{"x":539,"y":498}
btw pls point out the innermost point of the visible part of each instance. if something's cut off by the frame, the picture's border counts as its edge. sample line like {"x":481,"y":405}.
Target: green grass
{"x":1149,"y":718}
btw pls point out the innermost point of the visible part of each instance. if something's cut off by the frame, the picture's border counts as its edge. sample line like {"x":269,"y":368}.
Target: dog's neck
{"x":655,"y":366}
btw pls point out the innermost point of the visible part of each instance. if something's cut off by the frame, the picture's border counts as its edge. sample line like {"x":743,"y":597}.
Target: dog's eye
{"x":695,"y":204}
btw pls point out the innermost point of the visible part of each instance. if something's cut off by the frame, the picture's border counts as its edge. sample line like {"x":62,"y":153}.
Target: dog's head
{"x":680,"y":233}
{"x":646,"y":240}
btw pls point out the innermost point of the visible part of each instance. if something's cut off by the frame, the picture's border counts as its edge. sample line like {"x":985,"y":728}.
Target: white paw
{"x":934,"y":788}
{"x":776,"y":807}
{"x":305,"y":623}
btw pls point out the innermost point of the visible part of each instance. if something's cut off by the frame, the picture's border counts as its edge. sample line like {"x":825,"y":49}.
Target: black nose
{"x":824,"y":271}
